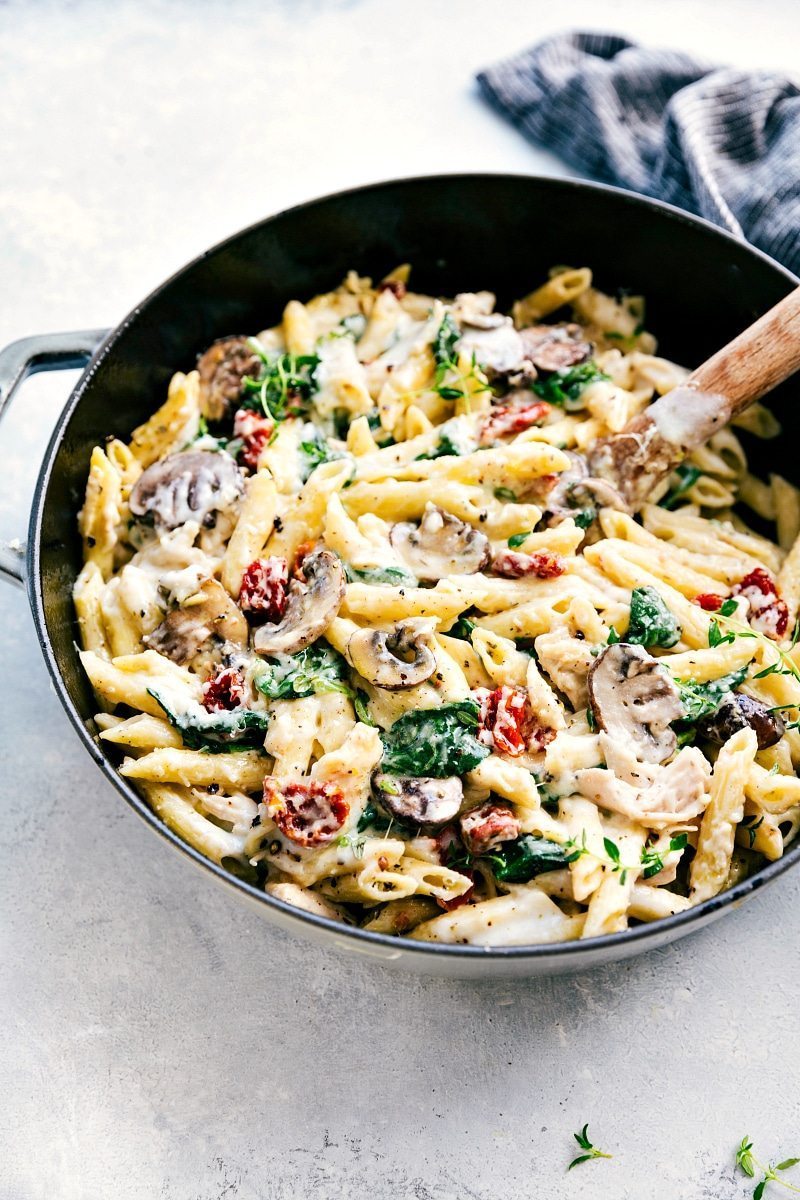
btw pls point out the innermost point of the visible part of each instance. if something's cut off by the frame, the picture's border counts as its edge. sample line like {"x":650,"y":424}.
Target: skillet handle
{"x":28,"y":356}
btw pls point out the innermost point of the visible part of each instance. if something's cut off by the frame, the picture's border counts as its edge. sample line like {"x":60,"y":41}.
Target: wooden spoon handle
{"x":655,"y":442}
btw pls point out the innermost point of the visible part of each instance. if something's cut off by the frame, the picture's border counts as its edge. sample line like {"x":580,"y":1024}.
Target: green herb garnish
{"x":361,"y":705}
{"x":520,"y":860}
{"x":747,"y":1162}
{"x":591,"y":1151}
{"x":566,"y":388}
{"x":388,"y":576}
{"x":462,"y":629}
{"x":437,"y":742}
{"x":285,"y":385}
{"x":653,"y":860}
{"x":651,"y":622}
{"x":216,"y":733}
{"x":688,"y":476}
{"x":701,"y":700}
{"x":312,"y":672}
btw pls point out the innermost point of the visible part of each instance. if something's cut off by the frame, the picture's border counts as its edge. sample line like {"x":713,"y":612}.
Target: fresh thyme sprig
{"x":747,"y":1161}
{"x":783,"y":665}
{"x":650,"y":863}
{"x":591,"y":1151}
{"x":450,"y":381}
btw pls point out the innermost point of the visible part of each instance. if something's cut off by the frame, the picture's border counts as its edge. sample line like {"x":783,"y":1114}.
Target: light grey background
{"x":159,"y":1039}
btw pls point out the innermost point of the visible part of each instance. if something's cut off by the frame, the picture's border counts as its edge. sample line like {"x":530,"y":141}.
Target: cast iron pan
{"x":461,"y":233}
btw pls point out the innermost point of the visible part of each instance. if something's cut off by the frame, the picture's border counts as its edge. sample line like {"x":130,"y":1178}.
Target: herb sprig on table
{"x":770,"y":1172}
{"x":589,"y":1151}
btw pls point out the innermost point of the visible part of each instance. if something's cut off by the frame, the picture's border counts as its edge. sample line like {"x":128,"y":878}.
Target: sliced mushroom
{"x":222,"y":369}
{"x":635,"y":700}
{"x":738,"y":712}
{"x":440,"y":545}
{"x":192,"y":485}
{"x":555,"y":347}
{"x":573,"y":491}
{"x":208,"y":614}
{"x":418,"y":800}
{"x":497,"y":347}
{"x":396,"y":659}
{"x":312,"y":605}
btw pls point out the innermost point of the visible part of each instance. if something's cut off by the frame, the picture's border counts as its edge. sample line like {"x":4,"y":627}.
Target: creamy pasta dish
{"x":364,"y":629}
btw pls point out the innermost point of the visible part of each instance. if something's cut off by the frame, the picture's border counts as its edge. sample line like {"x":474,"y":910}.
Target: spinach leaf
{"x":566,"y":388}
{"x":584,"y":517}
{"x":438,"y":742}
{"x":651,"y":622}
{"x":285,"y":385}
{"x":361,"y":705}
{"x":444,"y":447}
{"x":520,"y":860}
{"x":315,"y":453}
{"x":216,"y":733}
{"x":461,"y":629}
{"x":687,"y":478}
{"x":313,"y":671}
{"x":388,"y":576}
{"x":445,"y":342}
{"x":703,"y":699}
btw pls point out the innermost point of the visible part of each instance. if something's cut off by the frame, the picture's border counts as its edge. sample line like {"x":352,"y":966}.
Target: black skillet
{"x":461,"y":233}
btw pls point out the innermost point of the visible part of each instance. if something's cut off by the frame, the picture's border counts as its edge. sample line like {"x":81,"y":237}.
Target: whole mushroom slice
{"x":192,"y":485}
{"x":555,"y":347}
{"x":222,"y":369}
{"x":738,"y":711}
{"x":440,"y":545}
{"x":634,"y":700}
{"x":418,"y":800}
{"x":312,"y":605}
{"x":394,"y":659}
{"x":497,"y":346}
{"x":186,"y":631}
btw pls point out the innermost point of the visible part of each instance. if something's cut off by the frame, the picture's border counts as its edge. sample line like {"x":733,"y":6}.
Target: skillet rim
{"x":608,"y":947}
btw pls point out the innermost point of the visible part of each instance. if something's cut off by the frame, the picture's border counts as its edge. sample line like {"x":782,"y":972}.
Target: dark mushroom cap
{"x":222,"y":369}
{"x":634,"y":699}
{"x":310,"y":608}
{"x":555,"y":347}
{"x":418,"y":800}
{"x":738,"y":711}
{"x":189,"y":486}
{"x":440,"y":545}
{"x":382,"y":656}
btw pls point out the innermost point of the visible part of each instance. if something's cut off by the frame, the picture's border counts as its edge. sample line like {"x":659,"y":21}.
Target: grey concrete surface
{"x":159,"y":1039}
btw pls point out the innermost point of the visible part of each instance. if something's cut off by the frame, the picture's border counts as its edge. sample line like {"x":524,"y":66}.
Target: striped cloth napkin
{"x":718,"y":141}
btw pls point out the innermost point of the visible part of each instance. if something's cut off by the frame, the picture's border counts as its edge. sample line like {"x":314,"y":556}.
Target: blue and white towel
{"x":720,"y":142}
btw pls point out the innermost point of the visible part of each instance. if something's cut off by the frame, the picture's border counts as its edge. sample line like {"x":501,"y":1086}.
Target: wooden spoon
{"x":650,"y":446}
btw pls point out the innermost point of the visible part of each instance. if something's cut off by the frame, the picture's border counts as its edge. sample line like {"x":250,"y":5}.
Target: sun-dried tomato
{"x":768,"y":613}
{"x":505,"y":419}
{"x":255,"y":431}
{"x":224,"y":691}
{"x":264,"y":588}
{"x":507,"y":722}
{"x":486,"y":827}
{"x":710,"y":601}
{"x":512,"y":565}
{"x":309,"y":812}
